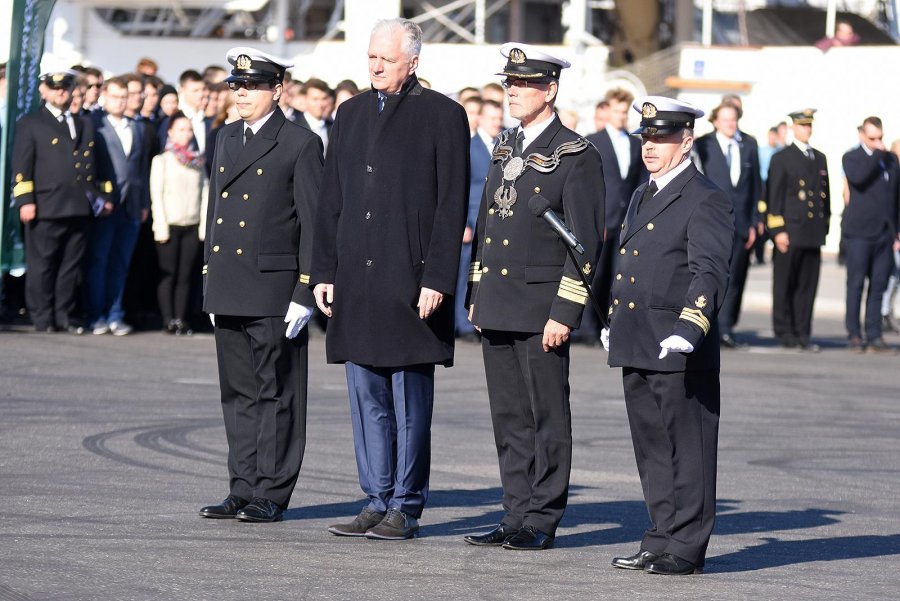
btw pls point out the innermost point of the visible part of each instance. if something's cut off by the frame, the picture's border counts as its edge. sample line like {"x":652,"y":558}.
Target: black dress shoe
{"x":856,"y":345}
{"x":494,"y":538}
{"x":810,"y":347}
{"x":528,"y":538}
{"x":638,"y":561}
{"x":366,"y":520}
{"x":880,"y":346}
{"x":260,"y":510}
{"x":670,"y":565}
{"x":226,"y":509}
{"x":727,"y":341}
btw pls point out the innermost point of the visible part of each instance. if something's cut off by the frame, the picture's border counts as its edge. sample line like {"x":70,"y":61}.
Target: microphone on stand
{"x":540,"y":207}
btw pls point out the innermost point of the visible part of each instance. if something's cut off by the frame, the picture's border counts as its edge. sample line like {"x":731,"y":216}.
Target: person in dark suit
{"x":623,"y":173}
{"x":527,"y":295}
{"x":53,"y":191}
{"x":123,"y":153}
{"x":733,"y":165}
{"x":490,"y":122}
{"x":870,"y":231}
{"x":263,"y":195}
{"x":316,"y":115}
{"x":799,"y":212}
{"x":193,"y":97}
{"x":671,"y":276}
{"x":388,"y":234}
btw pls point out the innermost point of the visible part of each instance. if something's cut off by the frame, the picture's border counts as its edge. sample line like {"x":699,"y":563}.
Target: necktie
{"x":381,"y":99}
{"x":810,"y":154}
{"x":248,"y":135}
{"x":649,"y":191}
{"x":734,"y":163}
{"x":520,"y":144}
{"x":70,"y":125}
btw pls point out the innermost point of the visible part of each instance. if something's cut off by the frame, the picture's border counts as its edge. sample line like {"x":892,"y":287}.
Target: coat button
{"x":75,"y":154}
{"x":216,"y":248}
{"x":221,"y":169}
{"x":89,"y":178}
{"x":621,"y":251}
{"x":490,"y":211}
{"x":802,"y":182}
{"x":239,"y":251}
{"x":618,"y":276}
{"x":504,"y":271}
{"x":369,"y":169}
{"x":635,"y":252}
{"x":537,"y":189}
{"x":259,"y":172}
{"x":243,"y":224}
{"x":506,"y":243}
{"x":810,"y":215}
{"x":632,"y":279}
{"x":631,"y":305}
{"x":487,"y":240}
{"x":369,"y":262}
{"x":650,"y":226}
{"x":87,"y":153}
{"x":246,"y":197}
{"x":78,"y":165}
{"x":219,"y":221}
{"x":368,"y":215}
{"x":87,"y":166}
{"x":615,"y":301}
{"x":224,"y":194}
{"x":484,"y":270}
{"x":54,"y":141}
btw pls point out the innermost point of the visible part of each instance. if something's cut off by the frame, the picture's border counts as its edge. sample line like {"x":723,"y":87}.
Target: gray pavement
{"x":109,"y":446}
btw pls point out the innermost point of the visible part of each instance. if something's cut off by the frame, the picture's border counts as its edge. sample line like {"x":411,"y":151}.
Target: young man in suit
{"x":263,"y":194}
{"x":733,"y":165}
{"x":673,"y":258}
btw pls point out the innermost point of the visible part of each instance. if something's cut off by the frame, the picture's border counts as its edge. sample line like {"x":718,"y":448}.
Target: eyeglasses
{"x":94,"y":85}
{"x":520,"y":83}
{"x":250,"y":86}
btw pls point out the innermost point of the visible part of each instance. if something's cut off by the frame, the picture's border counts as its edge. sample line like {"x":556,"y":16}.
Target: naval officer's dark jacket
{"x":52,"y":170}
{"x":744,"y":196}
{"x":874,"y":182}
{"x":671,"y":275}
{"x":262,"y":204}
{"x":797,"y":197}
{"x":391,"y":221}
{"x":521,"y":274}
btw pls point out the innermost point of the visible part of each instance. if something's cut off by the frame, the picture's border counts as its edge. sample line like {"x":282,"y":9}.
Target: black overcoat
{"x":671,"y":275}
{"x":262,"y":203}
{"x":391,"y":218}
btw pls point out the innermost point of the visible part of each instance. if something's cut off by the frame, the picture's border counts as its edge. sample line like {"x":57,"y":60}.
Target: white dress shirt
{"x":621,"y":144}
{"x":730,"y":147}
{"x":68,"y":118}
{"x":533,"y":131}
{"x":318,"y":127}
{"x":122,"y":127}
{"x":259,"y":123}
{"x":198,"y":124}
{"x":664,"y":180}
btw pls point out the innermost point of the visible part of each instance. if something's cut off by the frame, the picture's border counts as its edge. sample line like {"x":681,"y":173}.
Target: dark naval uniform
{"x":670,"y":279}
{"x":56,"y":173}
{"x":521,"y":276}
{"x":257,"y":256}
{"x":797,"y":196}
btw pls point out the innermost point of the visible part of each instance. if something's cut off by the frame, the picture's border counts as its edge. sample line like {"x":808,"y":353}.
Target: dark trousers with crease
{"x":734,"y":294}
{"x":795,"y":278}
{"x":870,"y":260}
{"x":262,"y":376}
{"x":528,"y":391}
{"x":54,"y":249}
{"x":674,"y":420}
{"x":390,"y":410}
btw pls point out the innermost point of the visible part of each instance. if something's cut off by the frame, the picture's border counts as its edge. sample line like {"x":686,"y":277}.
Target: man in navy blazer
{"x":123,"y":152}
{"x":732,"y":163}
{"x":490,"y":123}
{"x":870,"y":231}
{"x":623,"y":171}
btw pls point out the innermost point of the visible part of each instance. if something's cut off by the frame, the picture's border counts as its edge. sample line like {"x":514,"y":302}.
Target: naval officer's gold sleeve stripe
{"x":575,"y":298}
{"x":696,"y":317}
{"x":475,"y":277}
{"x":475,"y":271}
{"x":23,"y":188}
{"x":304,"y":278}
{"x":774,"y":221}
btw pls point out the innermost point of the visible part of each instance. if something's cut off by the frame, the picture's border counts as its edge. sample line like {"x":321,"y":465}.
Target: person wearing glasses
{"x":526,"y":294}
{"x":263,"y":192}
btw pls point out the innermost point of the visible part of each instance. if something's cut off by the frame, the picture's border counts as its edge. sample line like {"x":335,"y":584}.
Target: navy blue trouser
{"x":872,"y":260}
{"x":391,"y":409}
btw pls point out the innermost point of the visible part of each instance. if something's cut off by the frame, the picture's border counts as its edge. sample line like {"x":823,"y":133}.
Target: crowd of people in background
{"x":155,"y":141}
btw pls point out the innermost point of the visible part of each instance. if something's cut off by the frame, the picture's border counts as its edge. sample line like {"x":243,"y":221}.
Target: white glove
{"x":676,"y":344}
{"x":604,"y":339}
{"x":297,"y":317}
{"x":212,"y":319}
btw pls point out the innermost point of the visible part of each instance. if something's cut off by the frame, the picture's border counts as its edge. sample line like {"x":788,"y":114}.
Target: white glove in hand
{"x":675,"y":344}
{"x":297,"y":317}
{"x":212,"y":319}
{"x":604,"y":339}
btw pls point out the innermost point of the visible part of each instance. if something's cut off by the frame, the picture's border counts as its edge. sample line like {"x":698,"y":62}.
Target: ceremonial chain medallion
{"x":506,"y":197}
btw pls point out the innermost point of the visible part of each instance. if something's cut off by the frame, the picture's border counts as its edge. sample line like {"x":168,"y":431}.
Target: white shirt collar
{"x":488,"y":141}
{"x":188,"y":111}
{"x":866,"y":149}
{"x":724,"y":140}
{"x":314,"y":124}
{"x":802,"y":146}
{"x":533,"y":131}
{"x":663,"y":181}
{"x":614,"y":133}
{"x":258,"y":125}
{"x":53,"y":110}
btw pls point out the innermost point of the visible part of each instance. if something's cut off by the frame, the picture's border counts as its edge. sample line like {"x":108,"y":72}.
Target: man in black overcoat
{"x":725,"y":157}
{"x":263,"y":193}
{"x":388,"y":236}
{"x":54,"y":175}
{"x":797,"y":197}
{"x":671,"y":276}
{"x":526,"y":295}
{"x":870,"y":232}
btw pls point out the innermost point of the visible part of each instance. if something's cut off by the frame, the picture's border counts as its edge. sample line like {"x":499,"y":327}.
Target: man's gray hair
{"x":412,"y":33}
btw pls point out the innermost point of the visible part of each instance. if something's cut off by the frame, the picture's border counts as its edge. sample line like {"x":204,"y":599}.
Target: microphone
{"x":540,"y":207}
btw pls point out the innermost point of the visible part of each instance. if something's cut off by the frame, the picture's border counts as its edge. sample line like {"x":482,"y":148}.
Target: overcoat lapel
{"x":657,"y":205}
{"x":260,"y":145}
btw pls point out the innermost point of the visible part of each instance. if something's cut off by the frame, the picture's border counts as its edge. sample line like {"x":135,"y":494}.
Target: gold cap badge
{"x":648,"y":111}
{"x":243,"y":62}
{"x":700,"y":302}
{"x":516,"y":56}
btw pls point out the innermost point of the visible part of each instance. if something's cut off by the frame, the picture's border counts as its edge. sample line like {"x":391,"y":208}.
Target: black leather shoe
{"x":638,"y":561}
{"x":528,"y":538}
{"x":855,"y":344}
{"x":224,"y":510}
{"x":669,"y":565}
{"x":727,"y":341}
{"x":810,"y":347}
{"x":494,"y":538}
{"x":260,"y":510}
{"x":365,"y":521}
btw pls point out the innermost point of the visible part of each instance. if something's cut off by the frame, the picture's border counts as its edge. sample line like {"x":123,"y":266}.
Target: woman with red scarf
{"x":178,"y":193}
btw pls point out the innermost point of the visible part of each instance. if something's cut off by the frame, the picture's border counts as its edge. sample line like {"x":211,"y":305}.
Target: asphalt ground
{"x":109,"y":446}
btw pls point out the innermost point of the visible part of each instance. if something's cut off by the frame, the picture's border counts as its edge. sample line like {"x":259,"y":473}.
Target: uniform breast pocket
{"x":277,"y":262}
